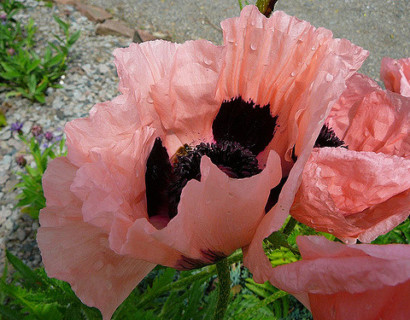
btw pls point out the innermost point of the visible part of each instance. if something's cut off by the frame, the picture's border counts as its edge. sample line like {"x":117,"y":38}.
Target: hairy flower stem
{"x":224,"y":288}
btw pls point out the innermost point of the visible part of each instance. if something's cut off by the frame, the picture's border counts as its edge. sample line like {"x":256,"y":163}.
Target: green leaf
{"x":29,"y":276}
{"x":73,"y":38}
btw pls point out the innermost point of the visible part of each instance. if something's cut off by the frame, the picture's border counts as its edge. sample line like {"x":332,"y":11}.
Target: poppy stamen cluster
{"x":241,"y":130}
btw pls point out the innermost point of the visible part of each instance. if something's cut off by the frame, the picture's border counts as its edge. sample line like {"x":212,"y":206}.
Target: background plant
{"x":22,"y":70}
{"x":42,"y":147}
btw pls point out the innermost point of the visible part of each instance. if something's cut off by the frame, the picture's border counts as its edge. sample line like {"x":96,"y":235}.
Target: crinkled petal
{"x":185,"y":97}
{"x":114,"y":184}
{"x":139,"y":67}
{"x":110,"y":124}
{"x":219,"y":214}
{"x":77,"y":252}
{"x":285,"y":62}
{"x":357,"y":87}
{"x":369,"y":281}
{"x":367,"y":118}
{"x":396,"y":75}
{"x":346,"y":193}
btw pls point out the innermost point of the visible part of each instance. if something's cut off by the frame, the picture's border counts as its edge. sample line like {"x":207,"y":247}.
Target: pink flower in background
{"x":396,"y":75}
{"x":362,"y":190}
{"x":348,"y":282}
{"x":195,"y":159}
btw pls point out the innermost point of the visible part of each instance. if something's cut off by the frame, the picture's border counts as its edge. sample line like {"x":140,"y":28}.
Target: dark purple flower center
{"x":241,"y":131}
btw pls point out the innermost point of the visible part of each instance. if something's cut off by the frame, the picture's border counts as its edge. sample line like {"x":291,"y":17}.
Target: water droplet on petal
{"x":313,"y":48}
{"x":329,"y":77}
{"x":331,"y":230}
{"x":300,"y":41}
{"x":292,"y":74}
{"x":207,"y":61}
{"x":149,"y":100}
{"x":109,"y":285}
{"x":253,"y":46}
{"x":98,"y":265}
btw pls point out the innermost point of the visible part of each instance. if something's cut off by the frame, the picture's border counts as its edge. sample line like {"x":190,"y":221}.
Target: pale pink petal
{"x":57,"y":181}
{"x":369,"y":281}
{"x":185,"y":97}
{"x":285,"y":62}
{"x":87,"y":138}
{"x":219,"y":214}
{"x":79,"y":253}
{"x":367,"y":118}
{"x":139,"y":67}
{"x":396,"y":75}
{"x":300,"y":71}
{"x":114,"y":183}
{"x":346,"y":193}
{"x":357,"y":87}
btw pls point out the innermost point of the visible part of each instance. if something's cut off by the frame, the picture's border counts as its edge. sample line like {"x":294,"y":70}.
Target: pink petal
{"x":114,"y":183}
{"x":396,"y":75}
{"x":139,"y":67}
{"x":367,"y":118}
{"x":358,"y":86}
{"x":300,"y":71}
{"x":77,"y":252}
{"x":346,"y":193}
{"x":219,"y":214}
{"x":87,"y":138}
{"x":285,"y":62}
{"x":185,"y":97}
{"x":349,"y":282}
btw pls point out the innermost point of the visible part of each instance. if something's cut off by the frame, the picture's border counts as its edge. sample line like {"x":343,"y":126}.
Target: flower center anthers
{"x":241,"y":131}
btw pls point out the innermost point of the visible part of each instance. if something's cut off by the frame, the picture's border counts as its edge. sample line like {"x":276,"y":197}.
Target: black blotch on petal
{"x":157,"y":180}
{"x":246,"y":123}
{"x":208,"y":257}
{"x":327,"y":138}
{"x":274,"y":195}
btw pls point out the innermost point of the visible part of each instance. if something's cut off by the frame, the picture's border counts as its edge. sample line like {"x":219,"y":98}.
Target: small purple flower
{"x":45,"y":145}
{"x":16,"y":127}
{"x":11,"y":51}
{"x":49,"y":136}
{"x":36,"y":130}
{"x":21,"y":161}
{"x":3,"y":17}
{"x":58,"y":138}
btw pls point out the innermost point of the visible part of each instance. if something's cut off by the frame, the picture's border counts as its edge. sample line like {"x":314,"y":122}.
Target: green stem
{"x":248,"y":313}
{"x":224,"y":288}
{"x":290,"y":226}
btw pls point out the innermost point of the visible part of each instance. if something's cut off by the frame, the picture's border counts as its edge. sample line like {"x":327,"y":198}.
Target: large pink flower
{"x":348,"y":282}
{"x":178,"y":170}
{"x":361,"y":190}
{"x":396,"y":75}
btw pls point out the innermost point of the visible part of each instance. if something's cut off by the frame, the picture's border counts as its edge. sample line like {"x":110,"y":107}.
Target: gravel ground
{"x":91,"y":78}
{"x":380,"y":26}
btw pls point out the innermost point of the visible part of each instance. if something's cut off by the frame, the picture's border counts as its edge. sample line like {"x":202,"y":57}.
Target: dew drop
{"x":313,"y":48}
{"x":207,"y":61}
{"x":149,"y":100}
{"x":300,"y":41}
{"x":292,"y":74}
{"x":98,"y":265}
{"x":329,"y":77}
{"x":253,"y":46}
{"x":109,"y":285}
{"x":331,"y":230}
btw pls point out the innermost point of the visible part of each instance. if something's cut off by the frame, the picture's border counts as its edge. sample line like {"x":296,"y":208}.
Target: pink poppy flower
{"x":396,"y":75}
{"x":348,"y":282}
{"x":178,"y":170}
{"x":362,"y":190}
